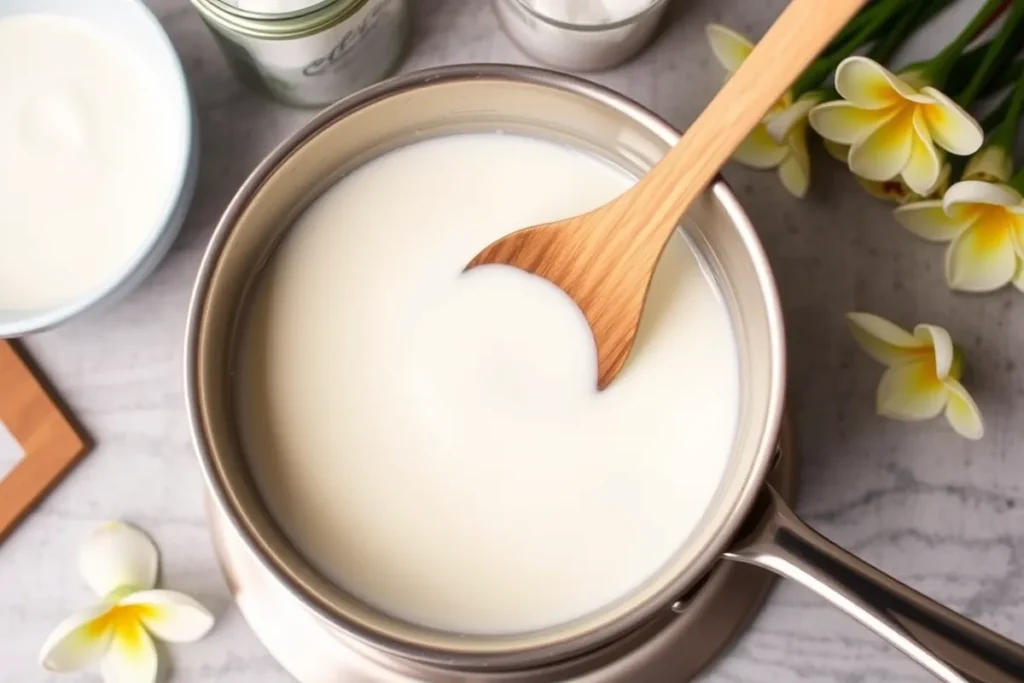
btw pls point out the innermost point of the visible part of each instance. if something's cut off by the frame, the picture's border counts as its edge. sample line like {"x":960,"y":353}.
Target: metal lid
{"x":274,"y":9}
{"x":277,"y":18}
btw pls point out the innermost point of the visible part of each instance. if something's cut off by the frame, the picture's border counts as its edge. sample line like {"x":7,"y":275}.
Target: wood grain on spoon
{"x":604,"y":260}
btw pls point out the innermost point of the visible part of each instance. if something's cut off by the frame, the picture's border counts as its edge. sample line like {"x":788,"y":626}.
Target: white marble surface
{"x":942,"y":514}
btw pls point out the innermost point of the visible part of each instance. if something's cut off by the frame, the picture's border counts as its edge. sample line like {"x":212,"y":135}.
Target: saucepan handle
{"x":953,"y":648}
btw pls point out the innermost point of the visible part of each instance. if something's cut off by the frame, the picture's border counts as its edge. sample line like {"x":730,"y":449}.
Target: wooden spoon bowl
{"x":605,"y":260}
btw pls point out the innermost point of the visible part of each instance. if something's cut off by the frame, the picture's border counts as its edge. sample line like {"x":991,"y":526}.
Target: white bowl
{"x":132,"y":25}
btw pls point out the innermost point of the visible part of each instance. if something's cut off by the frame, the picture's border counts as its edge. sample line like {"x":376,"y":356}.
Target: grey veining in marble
{"x":943,"y":514}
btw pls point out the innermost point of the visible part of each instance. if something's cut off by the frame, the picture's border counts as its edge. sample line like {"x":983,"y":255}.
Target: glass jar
{"x":577,"y":46}
{"x":309,"y":52}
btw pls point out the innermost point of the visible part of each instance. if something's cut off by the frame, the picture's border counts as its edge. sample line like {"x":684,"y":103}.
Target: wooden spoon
{"x":604,"y":260}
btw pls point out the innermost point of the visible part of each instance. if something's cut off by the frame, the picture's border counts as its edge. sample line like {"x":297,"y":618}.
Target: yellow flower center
{"x":902,"y":125}
{"x":925,"y":380}
{"x":993,"y":228}
{"x":123,"y":620}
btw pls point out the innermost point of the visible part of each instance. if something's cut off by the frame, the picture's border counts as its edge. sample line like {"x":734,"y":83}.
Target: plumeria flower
{"x":786,"y":150}
{"x":984,"y":224}
{"x":119,"y":563}
{"x":894,"y":191}
{"x":922,"y":376}
{"x":893,"y":125}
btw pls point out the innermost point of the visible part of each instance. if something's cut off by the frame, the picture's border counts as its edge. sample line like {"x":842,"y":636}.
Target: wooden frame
{"x":50,"y":439}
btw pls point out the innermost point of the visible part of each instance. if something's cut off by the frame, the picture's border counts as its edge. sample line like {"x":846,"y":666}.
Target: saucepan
{"x":745,"y":522}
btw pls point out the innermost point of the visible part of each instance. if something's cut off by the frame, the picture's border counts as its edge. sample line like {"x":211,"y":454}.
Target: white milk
{"x":433,"y":440}
{"x":85,"y":168}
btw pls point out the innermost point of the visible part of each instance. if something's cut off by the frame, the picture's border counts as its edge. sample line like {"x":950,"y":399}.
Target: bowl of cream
{"x":97,"y":155}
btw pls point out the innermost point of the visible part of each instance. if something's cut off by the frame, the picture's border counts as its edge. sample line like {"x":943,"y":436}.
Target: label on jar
{"x":323,"y":67}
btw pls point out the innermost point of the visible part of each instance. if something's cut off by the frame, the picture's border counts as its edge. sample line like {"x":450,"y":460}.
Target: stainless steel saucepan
{"x":746,"y":521}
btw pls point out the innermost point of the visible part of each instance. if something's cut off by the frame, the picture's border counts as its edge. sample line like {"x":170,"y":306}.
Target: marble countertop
{"x":940,"y":513}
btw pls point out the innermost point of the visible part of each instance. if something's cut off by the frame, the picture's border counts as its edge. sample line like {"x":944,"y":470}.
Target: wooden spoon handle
{"x":794,"y":40}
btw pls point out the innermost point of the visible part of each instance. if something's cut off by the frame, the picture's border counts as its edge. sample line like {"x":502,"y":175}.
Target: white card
{"x":10,"y":451}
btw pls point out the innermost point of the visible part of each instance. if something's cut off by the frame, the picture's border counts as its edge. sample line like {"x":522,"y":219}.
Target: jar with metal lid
{"x":309,"y":52}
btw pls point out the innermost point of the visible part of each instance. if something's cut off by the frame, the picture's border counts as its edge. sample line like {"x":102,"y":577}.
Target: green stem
{"x":965,"y":68}
{"x":1017,"y":181}
{"x":996,"y":54}
{"x":1005,"y":135}
{"x":996,"y":116}
{"x":957,"y":164}
{"x":1003,"y":77}
{"x":821,"y":68}
{"x":852,"y":28}
{"x":867,"y":17}
{"x":939,"y":68}
{"x":912,"y":18}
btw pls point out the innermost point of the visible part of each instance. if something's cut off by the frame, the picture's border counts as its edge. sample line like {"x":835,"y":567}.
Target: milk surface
{"x":433,"y":440}
{"x":85,"y":167}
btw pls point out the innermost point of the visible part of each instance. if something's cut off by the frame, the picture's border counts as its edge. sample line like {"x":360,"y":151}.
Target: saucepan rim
{"x":483,"y":652}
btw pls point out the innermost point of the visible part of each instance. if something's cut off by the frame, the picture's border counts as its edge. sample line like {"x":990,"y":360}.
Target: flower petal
{"x":868,"y":84}
{"x":952,"y":127}
{"x":794,"y":177}
{"x":836,"y":150}
{"x":1017,"y":222}
{"x":882,"y":340}
{"x":942,"y":345}
{"x":886,"y":152}
{"x":77,"y":641}
{"x":1018,"y":276}
{"x":922,"y":171}
{"x":911,"y":391}
{"x":979,"y":192}
{"x":929,"y":221}
{"x":945,"y":174}
{"x":729,"y":47}
{"x":759,"y":150}
{"x":171,"y":616}
{"x":132,"y":656}
{"x":118,"y":555}
{"x":982,"y":258}
{"x":847,"y":123}
{"x":781,"y":124}
{"x":962,"y":412}
{"x":795,"y":171}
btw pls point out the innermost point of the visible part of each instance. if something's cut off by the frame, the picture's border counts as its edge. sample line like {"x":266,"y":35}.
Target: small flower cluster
{"x":906,"y":136}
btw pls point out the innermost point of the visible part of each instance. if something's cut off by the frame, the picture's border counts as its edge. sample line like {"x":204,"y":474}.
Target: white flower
{"x":923,"y":374}
{"x":984,"y":224}
{"x":780,"y":141}
{"x":119,"y":563}
{"x":892,"y":126}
